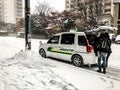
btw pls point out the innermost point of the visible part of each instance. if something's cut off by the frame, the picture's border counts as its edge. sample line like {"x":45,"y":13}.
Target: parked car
{"x":117,"y":40}
{"x":20,"y":34}
{"x":70,"y":46}
{"x":112,"y":37}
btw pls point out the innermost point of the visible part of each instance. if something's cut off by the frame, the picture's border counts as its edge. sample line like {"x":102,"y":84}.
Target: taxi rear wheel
{"x":42,"y":53}
{"x":77,"y":60}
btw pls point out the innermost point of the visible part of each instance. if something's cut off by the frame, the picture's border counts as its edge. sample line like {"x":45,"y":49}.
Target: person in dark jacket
{"x":109,"y":48}
{"x":103,"y":48}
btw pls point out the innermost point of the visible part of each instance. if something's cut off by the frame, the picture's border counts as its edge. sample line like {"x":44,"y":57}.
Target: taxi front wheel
{"x":42,"y":53}
{"x":77,"y":60}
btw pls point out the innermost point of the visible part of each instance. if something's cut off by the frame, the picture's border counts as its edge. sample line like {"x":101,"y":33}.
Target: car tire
{"x":77,"y":60}
{"x":42,"y":53}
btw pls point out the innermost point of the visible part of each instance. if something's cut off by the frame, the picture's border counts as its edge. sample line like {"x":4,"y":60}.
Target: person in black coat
{"x":103,"y":50}
{"x":109,"y":48}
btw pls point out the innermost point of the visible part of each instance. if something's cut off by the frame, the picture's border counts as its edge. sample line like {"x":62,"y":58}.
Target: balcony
{"x":116,"y":1}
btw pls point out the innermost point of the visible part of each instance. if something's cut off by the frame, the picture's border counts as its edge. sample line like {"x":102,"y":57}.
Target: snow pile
{"x":28,"y":71}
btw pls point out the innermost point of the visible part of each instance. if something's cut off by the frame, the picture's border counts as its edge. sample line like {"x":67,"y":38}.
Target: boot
{"x":99,"y":70}
{"x":104,"y":70}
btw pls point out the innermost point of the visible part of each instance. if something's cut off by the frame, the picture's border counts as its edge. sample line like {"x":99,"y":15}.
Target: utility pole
{"x":27,"y":25}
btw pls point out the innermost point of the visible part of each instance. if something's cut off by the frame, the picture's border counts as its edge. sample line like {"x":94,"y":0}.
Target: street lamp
{"x":27,"y":25}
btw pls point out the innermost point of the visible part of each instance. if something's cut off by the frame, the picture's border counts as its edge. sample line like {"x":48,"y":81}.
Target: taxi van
{"x":69,"y":46}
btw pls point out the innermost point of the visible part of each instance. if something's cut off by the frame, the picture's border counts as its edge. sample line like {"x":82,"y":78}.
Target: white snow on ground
{"x":27,"y":70}
{"x":115,"y":56}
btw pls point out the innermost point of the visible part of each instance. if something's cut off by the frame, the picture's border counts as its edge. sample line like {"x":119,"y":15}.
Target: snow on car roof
{"x":81,"y":33}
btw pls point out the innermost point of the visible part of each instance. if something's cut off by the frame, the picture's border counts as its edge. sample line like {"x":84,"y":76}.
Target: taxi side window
{"x":67,"y":39}
{"x":82,"y":40}
{"x":54,"y":40}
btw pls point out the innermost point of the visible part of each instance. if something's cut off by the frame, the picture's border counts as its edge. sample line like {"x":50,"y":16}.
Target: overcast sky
{"x":57,"y":4}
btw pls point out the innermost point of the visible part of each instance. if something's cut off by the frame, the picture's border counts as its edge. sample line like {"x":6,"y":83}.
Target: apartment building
{"x":110,"y":10}
{"x":116,"y":14}
{"x":105,"y":5}
{"x":11,"y":11}
{"x":107,"y":16}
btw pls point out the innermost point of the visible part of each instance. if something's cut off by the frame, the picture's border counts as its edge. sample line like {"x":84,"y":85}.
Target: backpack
{"x":103,"y":44}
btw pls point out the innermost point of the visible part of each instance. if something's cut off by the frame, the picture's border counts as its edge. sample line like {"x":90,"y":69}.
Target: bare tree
{"x":20,"y":24}
{"x":89,"y":11}
{"x":39,"y":17}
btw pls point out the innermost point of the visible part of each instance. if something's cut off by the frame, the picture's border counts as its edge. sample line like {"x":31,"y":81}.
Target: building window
{"x":118,"y":22}
{"x":118,"y":29}
{"x":107,"y":4}
{"x":107,"y":10}
{"x":119,"y":12}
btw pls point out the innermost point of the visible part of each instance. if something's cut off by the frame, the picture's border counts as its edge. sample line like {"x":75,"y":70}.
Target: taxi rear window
{"x":67,"y":39}
{"x":82,"y":40}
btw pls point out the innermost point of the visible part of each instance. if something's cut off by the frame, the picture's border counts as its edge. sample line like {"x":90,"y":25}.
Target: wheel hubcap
{"x":77,"y":61}
{"x":42,"y":53}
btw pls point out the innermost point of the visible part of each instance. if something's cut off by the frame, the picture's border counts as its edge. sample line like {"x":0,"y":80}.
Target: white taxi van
{"x":69,"y":46}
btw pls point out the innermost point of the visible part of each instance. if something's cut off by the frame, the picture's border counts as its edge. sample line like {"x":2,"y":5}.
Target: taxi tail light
{"x":89,"y":47}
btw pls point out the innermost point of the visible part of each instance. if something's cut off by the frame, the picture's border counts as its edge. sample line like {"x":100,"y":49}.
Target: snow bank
{"x":28,"y":71}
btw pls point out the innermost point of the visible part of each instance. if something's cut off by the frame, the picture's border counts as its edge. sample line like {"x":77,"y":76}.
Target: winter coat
{"x":107,"y":45}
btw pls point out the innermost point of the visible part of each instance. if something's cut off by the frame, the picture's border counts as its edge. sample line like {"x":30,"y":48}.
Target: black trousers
{"x":107,"y":59}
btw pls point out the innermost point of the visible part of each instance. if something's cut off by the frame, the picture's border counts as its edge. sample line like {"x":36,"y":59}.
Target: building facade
{"x":11,"y":11}
{"x":116,"y":14}
{"x":110,"y":10}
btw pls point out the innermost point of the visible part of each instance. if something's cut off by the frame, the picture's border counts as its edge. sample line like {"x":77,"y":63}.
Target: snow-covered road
{"x":65,"y":73}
